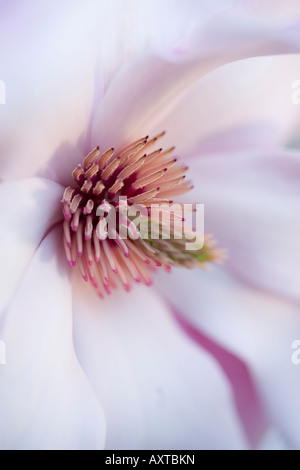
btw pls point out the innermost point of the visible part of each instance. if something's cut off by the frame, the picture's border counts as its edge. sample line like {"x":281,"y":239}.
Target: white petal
{"x":243,"y":105}
{"x":258,"y":328}
{"x":49,"y":79}
{"x":45,"y":399}
{"x":251,"y":205}
{"x":158,"y":389}
{"x":157,"y":80}
{"x":28,"y":209}
{"x":57,"y":66}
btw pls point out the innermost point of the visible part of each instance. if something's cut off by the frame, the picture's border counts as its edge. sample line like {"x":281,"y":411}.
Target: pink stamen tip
{"x":158,"y":264}
{"x":90,"y":262}
{"x":115,"y":270}
{"x":147,"y":261}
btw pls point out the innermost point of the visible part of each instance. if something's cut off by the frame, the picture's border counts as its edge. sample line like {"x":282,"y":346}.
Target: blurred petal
{"x":72,"y":50}
{"x":45,"y":399}
{"x":158,"y":389}
{"x":247,"y":400}
{"x":28,"y":209}
{"x":243,"y":105}
{"x":129,"y":28}
{"x":49,"y":82}
{"x":251,"y":205}
{"x":258,"y":328}
{"x":157,"y":81}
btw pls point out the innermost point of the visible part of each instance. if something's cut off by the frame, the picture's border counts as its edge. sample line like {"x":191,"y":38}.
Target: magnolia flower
{"x":199,"y":360}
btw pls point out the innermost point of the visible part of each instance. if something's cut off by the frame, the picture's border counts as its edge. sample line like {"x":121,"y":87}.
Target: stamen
{"x":92,"y":172}
{"x":148,"y":179}
{"x":138,"y":174}
{"x":88,"y":228}
{"x":67,"y":233}
{"x":75,"y":220}
{"x":75,"y":203}
{"x":105,"y":157}
{"x":68,"y":194}
{"x":78,"y":174}
{"x":131,"y":169}
{"x":91,"y":158}
{"x":88,"y":208}
{"x":98,"y":188}
{"x":87,"y":186}
{"x":110,"y":169}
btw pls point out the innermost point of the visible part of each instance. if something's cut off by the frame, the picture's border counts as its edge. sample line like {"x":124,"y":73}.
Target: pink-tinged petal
{"x":45,"y":399}
{"x":28,"y":209}
{"x":247,"y":400}
{"x":243,"y":105}
{"x":258,"y":328}
{"x":251,"y":205}
{"x":56,"y":60}
{"x":158,"y":80}
{"x":157,"y":388}
{"x":129,"y":28}
{"x":50,"y":83}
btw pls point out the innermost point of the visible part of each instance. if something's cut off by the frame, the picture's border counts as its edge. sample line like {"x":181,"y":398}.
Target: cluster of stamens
{"x":142,"y":176}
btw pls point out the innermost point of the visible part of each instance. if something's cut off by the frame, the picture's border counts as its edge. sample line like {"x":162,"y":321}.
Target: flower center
{"x":96,"y":216}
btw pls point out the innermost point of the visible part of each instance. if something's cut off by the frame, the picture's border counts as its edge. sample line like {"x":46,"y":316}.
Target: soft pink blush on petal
{"x":247,"y":400}
{"x":158,"y":389}
{"x":73,"y":49}
{"x":242,"y":105}
{"x":256,"y":327}
{"x":49,"y":89}
{"x":156,"y":82}
{"x":45,"y":399}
